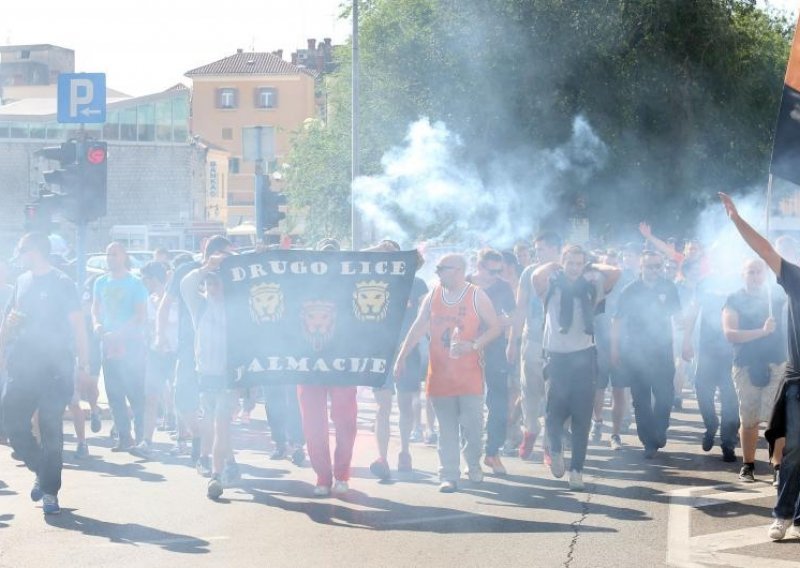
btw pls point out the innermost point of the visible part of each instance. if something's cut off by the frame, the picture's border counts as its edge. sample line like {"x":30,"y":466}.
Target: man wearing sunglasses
{"x":496,"y":367}
{"x":642,"y":350}
{"x":461,"y":322}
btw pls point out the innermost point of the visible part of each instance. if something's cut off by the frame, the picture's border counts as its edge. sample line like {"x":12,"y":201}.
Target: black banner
{"x":311,"y":317}
{"x":786,"y":145}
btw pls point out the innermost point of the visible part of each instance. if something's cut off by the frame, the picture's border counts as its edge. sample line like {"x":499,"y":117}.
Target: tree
{"x":683,"y":92}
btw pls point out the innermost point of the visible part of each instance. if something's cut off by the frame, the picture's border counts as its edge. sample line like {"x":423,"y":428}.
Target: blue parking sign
{"x":81,"y":98}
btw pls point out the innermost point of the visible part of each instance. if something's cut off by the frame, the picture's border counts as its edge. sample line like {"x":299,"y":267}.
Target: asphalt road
{"x":684,"y":508}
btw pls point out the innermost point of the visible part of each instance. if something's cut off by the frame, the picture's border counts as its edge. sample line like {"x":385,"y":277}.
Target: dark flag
{"x":786,"y":147}
{"x":315,"y":317}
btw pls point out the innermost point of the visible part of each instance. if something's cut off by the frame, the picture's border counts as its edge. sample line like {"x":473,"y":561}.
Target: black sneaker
{"x":708,"y":441}
{"x":36,"y":491}
{"x":747,"y":474}
{"x":96,"y":422}
{"x":650,"y":453}
{"x":380,"y":469}
{"x":279,"y":453}
{"x":298,"y":457}
{"x":728,"y":455}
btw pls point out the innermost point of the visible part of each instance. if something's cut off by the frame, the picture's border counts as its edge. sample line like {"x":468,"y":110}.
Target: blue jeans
{"x":788,"y":505}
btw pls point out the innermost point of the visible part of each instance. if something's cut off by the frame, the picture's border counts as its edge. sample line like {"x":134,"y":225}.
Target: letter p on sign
{"x":81,"y":98}
{"x":81,"y":93}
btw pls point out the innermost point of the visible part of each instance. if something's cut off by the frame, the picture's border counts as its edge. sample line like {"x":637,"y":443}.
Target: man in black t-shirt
{"x":41,"y":332}
{"x":495,"y":364}
{"x":714,"y":359}
{"x":641,"y":348}
{"x":759,"y":362}
{"x":786,"y":416}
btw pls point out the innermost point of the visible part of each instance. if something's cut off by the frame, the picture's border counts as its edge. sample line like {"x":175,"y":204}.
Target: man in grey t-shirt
{"x":571,"y":292}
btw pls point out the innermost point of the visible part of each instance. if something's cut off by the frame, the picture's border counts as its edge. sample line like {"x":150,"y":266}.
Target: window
{"x":111,"y":126}
{"x":233,"y":165}
{"x":26,"y":54}
{"x":266,"y":97}
{"x":227,"y":98}
{"x":127,"y":124}
{"x":227,"y":133}
{"x":180,"y":118}
{"x":164,"y":121}
{"x":146,"y":122}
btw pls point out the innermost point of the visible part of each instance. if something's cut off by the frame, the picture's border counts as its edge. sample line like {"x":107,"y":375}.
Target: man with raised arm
{"x":787,"y":410}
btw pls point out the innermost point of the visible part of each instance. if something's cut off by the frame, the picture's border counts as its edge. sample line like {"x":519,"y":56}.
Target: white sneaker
{"x":340,"y":487}
{"x":322,"y":491}
{"x":576,"y":481}
{"x":557,"y":467}
{"x":777,"y":530}
{"x":795,"y":532}
{"x":475,"y":475}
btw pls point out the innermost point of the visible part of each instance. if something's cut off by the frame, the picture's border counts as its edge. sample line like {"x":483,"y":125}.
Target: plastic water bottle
{"x":455,"y":338}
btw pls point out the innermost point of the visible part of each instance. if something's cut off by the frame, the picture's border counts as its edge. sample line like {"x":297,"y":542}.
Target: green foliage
{"x":684,"y":92}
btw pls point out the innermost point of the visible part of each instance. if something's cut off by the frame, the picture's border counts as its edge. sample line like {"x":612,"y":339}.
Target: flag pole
{"x":768,"y":213}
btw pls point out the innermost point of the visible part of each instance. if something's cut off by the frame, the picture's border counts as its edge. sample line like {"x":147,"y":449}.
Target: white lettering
{"x":320,"y":365}
{"x":297,"y":364}
{"x":378,"y":366}
{"x":238,"y":274}
{"x":257,"y":271}
{"x":274,"y":364}
{"x":347,"y":268}
{"x":298,"y":267}
{"x":319,"y":268}
{"x":340,"y":365}
{"x":277,"y":266}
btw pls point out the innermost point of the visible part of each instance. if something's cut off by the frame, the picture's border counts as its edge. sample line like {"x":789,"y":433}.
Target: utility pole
{"x":355,"y":221}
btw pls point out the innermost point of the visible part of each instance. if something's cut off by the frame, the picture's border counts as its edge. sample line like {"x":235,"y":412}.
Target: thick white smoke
{"x":428,"y":190}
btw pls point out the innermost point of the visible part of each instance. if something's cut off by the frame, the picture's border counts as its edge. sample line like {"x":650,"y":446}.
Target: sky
{"x":146,"y":46}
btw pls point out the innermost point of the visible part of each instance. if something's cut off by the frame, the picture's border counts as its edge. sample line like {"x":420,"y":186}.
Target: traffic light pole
{"x":259,"y":187}
{"x":80,"y":227}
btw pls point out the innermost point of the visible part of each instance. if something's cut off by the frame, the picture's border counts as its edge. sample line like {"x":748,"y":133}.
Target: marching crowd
{"x":512,"y":348}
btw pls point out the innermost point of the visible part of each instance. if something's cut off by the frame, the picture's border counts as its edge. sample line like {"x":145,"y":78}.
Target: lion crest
{"x":371,"y":300}
{"x":319,"y":322}
{"x":266,"y":303}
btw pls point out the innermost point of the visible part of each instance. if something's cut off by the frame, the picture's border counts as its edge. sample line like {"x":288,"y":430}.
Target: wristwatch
{"x":474,"y":345}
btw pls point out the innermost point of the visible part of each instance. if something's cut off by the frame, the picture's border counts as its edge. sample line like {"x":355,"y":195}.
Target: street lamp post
{"x":355,"y":221}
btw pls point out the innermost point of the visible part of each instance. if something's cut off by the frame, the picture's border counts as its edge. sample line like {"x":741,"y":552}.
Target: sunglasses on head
{"x":440,"y":268}
{"x":495,"y":271}
{"x":654,"y":266}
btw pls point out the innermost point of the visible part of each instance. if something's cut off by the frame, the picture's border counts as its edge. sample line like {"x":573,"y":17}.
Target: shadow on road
{"x":386,"y":515}
{"x":4,"y":521}
{"x":129,"y":533}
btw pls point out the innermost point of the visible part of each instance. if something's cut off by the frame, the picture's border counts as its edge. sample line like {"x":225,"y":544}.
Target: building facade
{"x":243,"y":91}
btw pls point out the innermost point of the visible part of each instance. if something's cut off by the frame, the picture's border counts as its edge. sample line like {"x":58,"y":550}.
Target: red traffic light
{"x":96,"y":155}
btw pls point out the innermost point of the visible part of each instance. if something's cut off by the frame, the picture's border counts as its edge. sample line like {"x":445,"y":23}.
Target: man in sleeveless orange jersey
{"x":461,"y":321}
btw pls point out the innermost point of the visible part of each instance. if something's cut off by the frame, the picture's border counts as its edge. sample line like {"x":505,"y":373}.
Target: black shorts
{"x":411,"y":378}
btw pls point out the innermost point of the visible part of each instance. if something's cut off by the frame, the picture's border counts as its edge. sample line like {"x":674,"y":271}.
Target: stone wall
{"x":147,"y":183}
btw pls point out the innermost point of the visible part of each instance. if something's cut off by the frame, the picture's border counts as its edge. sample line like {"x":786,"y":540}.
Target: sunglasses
{"x":440,"y":269}
{"x":654,"y":266}
{"x":495,"y":271}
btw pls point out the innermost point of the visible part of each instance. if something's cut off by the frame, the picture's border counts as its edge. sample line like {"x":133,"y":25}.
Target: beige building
{"x":243,"y":91}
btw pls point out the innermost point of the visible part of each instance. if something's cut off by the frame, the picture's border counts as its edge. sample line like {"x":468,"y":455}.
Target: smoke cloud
{"x":429,"y":191}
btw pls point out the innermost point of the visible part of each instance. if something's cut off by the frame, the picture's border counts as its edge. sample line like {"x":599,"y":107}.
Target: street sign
{"x":258,"y":143}
{"x":81,"y":98}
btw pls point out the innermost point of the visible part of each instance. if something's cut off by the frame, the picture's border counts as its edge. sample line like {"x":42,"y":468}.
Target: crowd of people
{"x":513,"y":348}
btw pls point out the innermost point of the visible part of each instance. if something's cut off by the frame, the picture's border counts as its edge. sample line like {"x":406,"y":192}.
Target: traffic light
{"x":273,"y":201}
{"x":66,"y":155}
{"x":93,"y":195}
{"x":81,"y":180}
{"x":39,"y":214}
